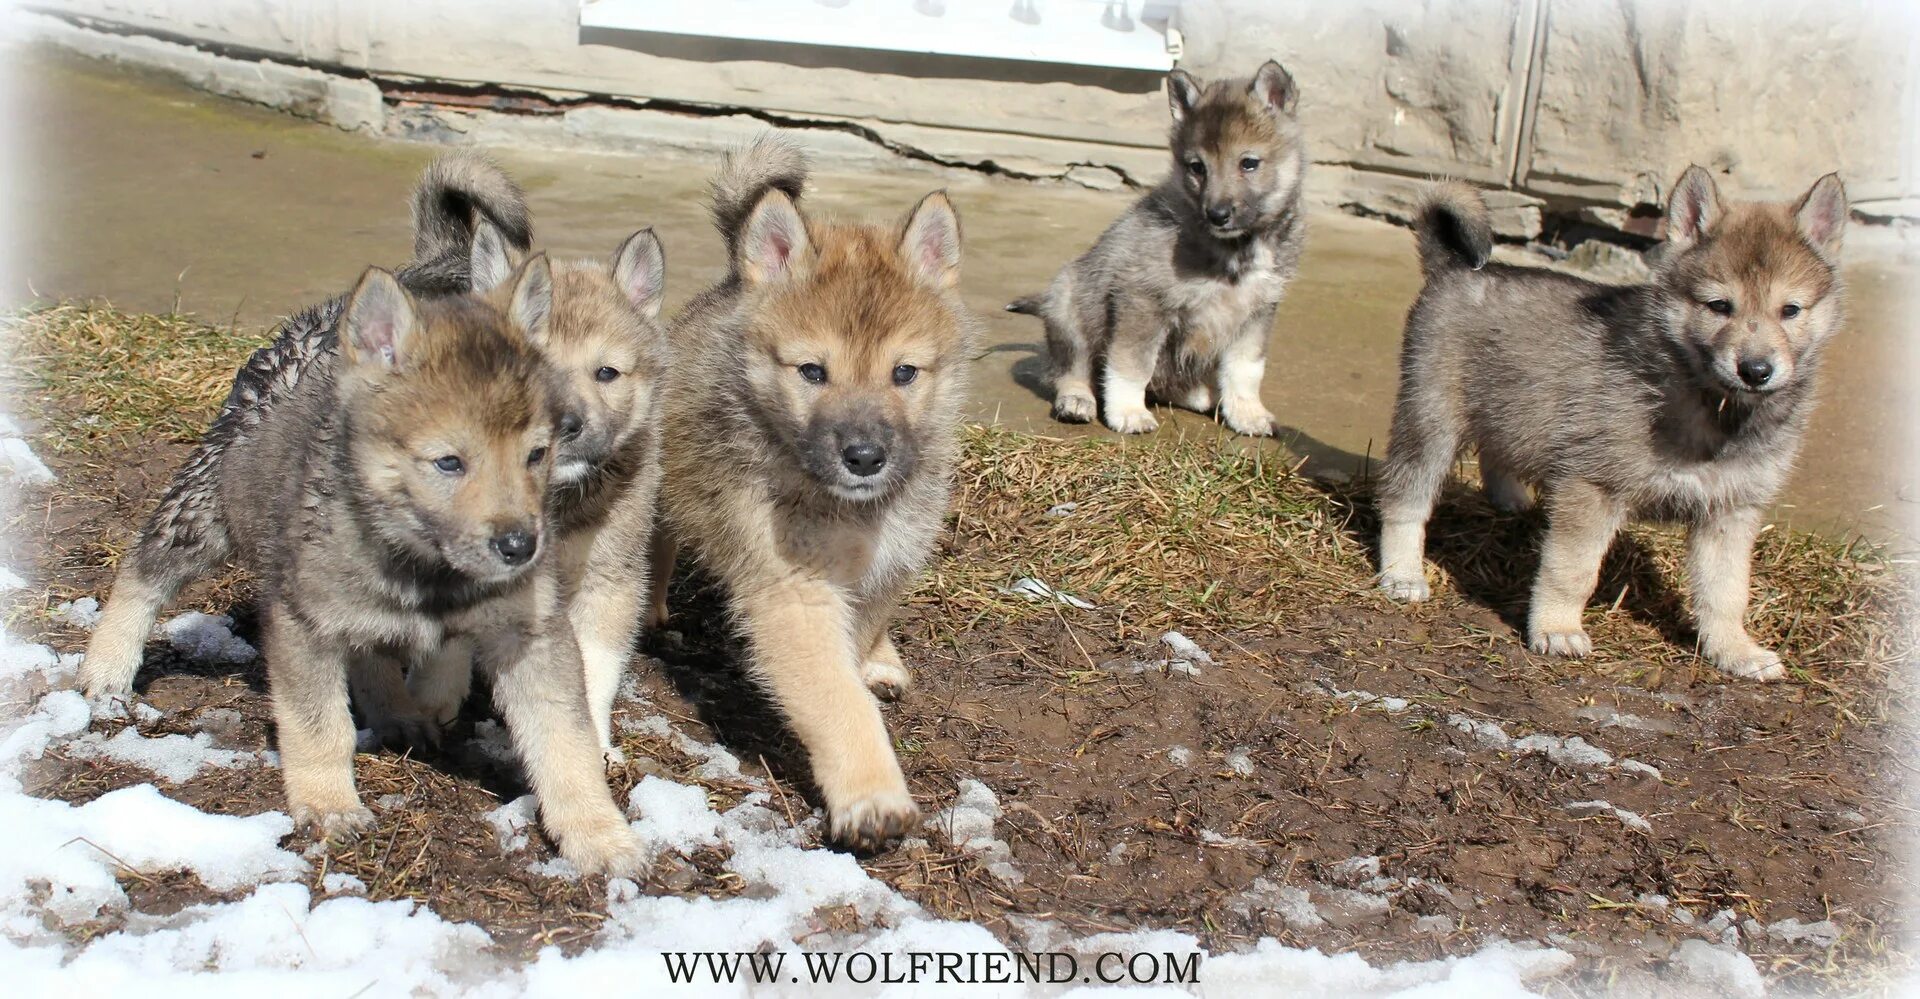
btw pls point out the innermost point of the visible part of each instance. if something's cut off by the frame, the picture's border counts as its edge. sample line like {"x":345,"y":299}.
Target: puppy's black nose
{"x":864,"y":458}
{"x":1756,"y":371}
{"x":514,"y":547}
{"x":1220,"y":214}
{"x":570,"y":424}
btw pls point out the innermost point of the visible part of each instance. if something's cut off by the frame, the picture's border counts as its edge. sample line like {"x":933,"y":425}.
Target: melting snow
{"x":968,"y":824}
{"x":208,"y":638}
{"x":81,"y":613}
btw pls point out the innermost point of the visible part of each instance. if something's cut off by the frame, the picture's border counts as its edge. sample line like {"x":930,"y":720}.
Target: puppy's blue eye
{"x":1789,"y":310}
{"x":1249,"y":163}
{"x":450,"y":464}
{"x":905,"y":374}
{"x":1721,"y":306}
{"x":814,"y":373}
{"x":606,"y":374}
{"x":1197,"y":168}
{"x":536,"y":456}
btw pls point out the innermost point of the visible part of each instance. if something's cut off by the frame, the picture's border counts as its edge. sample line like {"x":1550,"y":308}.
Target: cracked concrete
{"x":146,"y":192}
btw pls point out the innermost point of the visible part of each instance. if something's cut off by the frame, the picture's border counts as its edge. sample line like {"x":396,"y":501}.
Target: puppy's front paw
{"x":1137,"y":420}
{"x":1571,"y":644}
{"x":338,"y":824}
{"x":411,"y":730}
{"x":1405,"y":588}
{"x":873,"y":820}
{"x":604,"y":847}
{"x":1073,"y":407}
{"x":1248,"y":416}
{"x":1747,"y":660}
{"x":888,"y":681}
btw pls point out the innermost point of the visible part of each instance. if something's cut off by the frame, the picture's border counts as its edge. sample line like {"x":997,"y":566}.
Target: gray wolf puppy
{"x":1175,"y":301}
{"x":1684,"y":398}
{"x":608,"y":349}
{"x":811,"y":430}
{"x":381,"y":470}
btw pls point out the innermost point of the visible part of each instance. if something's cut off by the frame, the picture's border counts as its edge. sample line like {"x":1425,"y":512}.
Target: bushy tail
{"x":1452,"y":229}
{"x":770,"y":162}
{"x":455,"y":193}
{"x":1026,"y":305}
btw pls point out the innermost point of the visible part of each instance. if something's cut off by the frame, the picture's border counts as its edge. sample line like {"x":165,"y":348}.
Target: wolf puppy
{"x":1176,"y":299}
{"x":812,"y":416}
{"x":608,"y":350}
{"x":381,"y":471}
{"x":1685,"y":398}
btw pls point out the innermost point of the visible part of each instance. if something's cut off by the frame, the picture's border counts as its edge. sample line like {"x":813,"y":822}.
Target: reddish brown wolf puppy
{"x":812,"y":417}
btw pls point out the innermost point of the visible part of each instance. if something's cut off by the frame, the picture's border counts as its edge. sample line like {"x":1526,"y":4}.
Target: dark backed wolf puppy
{"x":1685,"y":398}
{"x":812,"y":426}
{"x":608,"y":350}
{"x":384,"y":482}
{"x":1175,"y":301}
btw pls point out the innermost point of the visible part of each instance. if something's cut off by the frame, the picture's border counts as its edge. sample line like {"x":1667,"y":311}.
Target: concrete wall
{"x":1570,"y":104}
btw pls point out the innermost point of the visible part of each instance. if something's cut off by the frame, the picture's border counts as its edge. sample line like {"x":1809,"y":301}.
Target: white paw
{"x":1073,"y":407}
{"x":1405,"y":589}
{"x":608,"y":848}
{"x":1132,"y":421}
{"x":1572,"y":644}
{"x":888,"y":681}
{"x":1248,"y":416}
{"x":340,"y":825}
{"x":1750,"y":662}
{"x":869,"y":822}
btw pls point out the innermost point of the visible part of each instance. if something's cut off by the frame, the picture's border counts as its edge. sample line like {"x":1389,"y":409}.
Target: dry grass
{"x":1213,"y":532}
{"x":93,"y":377}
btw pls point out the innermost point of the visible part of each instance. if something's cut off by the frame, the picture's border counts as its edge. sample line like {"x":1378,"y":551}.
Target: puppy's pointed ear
{"x":930,"y":242}
{"x":379,"y":322}
{"x":773,"y":244}
{"x":532,"y":300}
{"x":491,"y":261}
{"x":1273,"y":86}
{"x":1183,"y":92}
{"x":640,"y":271}
{"x":1693,"y":209}
{"x":1822,"y":215}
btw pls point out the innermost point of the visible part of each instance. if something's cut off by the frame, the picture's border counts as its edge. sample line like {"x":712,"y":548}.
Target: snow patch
{"x":174,"y":758}
{"x":20,"y":464}
{"x":1589,"y":809}
{"x":513,"y":822}
{"x":968,"y":824}
{"x":77,"y":851}
{"x":81,"y":613}
{"x":208,"y":638}
{"x":1723,"y":969}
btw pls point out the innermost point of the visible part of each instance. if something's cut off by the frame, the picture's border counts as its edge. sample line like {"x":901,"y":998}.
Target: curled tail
{"x":1452,"y":229}
{"x":454,"y":196}
{"x":770,"y":162}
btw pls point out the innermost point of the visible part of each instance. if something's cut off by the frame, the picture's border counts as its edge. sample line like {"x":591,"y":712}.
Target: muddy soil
{"x":1332,"y":781}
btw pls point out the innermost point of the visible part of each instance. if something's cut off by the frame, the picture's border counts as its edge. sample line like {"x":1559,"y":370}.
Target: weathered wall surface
{"x":1589,"y":103}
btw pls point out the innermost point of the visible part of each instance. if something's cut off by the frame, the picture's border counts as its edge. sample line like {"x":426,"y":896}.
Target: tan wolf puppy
{"x":1175,"y":301}
{"x":381,"y":470}
{"x":812,"y":417}
{"x":608,"y":349}
{"x":1684,"y":398}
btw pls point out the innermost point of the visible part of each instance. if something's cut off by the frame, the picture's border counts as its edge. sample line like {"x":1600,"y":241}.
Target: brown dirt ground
{"x":1773,"y":801}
